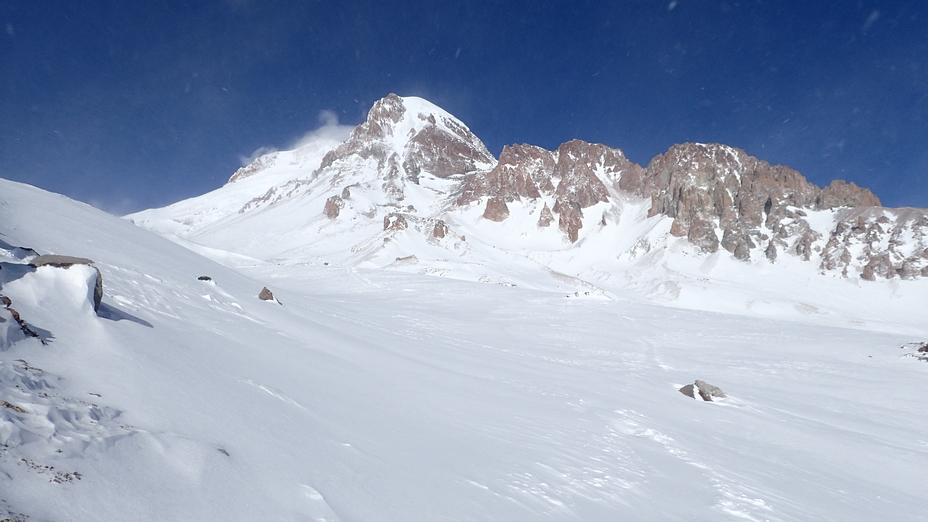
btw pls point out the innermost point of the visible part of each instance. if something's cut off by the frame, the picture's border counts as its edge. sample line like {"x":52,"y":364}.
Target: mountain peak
{"x":413,"y":180}
{"x":410,"y":136}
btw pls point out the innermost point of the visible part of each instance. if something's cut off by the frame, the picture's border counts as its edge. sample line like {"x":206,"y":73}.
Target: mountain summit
{"x":413,"y":189}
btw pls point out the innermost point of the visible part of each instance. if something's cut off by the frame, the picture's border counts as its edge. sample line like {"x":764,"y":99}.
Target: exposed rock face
{"x":68,"y":261}
{"x":577,"y":165}
{"x":689,"y":390}
{"x":720,"y":196}
{"x":440,"y":230}
{"x":879,"y":242}
{"x":395,"y":222}
{"x":496,"y":209}
{"x":445,"y":155}
{"x":59,"y":261}
{"x":707,"y":390}
{"x":571,"y":217}
{"x":545,"y":218}
{"x":434,"y":143}
{"x":571,"y":178}
{"x":401,"y":140}
{"x":333,"y":206}
{"x":517,"y":175}
{"x":842,"y":194}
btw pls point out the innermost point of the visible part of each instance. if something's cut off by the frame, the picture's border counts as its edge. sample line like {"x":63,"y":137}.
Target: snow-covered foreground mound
{"x":374,"y":395}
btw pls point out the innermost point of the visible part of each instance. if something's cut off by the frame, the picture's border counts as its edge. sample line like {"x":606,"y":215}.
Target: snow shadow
{"x":17,"y":252}
{"x":112,"y":313}
{"x":13,"y":271}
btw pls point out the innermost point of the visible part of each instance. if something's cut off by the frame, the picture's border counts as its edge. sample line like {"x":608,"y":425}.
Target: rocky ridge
{"x":574,"y":176}
{"x":718,"y":197}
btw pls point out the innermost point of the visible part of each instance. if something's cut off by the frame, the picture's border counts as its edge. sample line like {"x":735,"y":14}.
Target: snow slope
{"x":382,"y":395}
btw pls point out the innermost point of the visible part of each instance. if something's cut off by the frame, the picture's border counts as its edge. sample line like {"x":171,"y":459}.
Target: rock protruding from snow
{"x":58,"y":261}
{"x":719,"y":196}
{"x":496,"y":209}
{"x":395,"y":222}
{"x":440,"y":230}
{"x":333,"y":206}
{"x":879,"y":242}
{"x":572,"y":178}
{"x":9,"y":317}
{"x":267,"y":295}
{"x":705,"y":391}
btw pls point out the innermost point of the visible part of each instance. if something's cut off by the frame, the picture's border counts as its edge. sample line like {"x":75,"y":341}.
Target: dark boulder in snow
{"x":705,"y":390}
{"x":267,"y":295}
{"x":67,"y":262}
{"x":688,"y":390}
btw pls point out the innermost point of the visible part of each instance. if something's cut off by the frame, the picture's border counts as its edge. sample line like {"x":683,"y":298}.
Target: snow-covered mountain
{"x":522,"y":358}
{"x":359,"y":394}
{"x":412,"y":189}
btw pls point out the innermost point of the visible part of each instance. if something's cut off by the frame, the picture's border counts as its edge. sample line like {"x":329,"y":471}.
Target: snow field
{"x":384,"y":395}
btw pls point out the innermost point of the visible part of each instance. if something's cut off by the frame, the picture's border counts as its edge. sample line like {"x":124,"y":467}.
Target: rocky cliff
{"x":719,"y":196}
{"x":412,"y":166}
{"x":574,"y":176}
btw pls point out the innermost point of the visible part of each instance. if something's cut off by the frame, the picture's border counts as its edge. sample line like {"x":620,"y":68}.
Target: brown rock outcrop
{"x":842,"y":194}
{"x":701,"y":185}
{"x":577,"y":163}
{"x":442,"y":146}
{"x":890,"y":242}
{"x":572,"y":176}
{"x":395,"y":221}
{"x":445,"y":155}
{"x":440,"y":230}
{"x":516,"y":176}
{"x":545,"y":218}
{"x":267,"y":295}
{"x":496,"y":209}
{"x":333,"y":206}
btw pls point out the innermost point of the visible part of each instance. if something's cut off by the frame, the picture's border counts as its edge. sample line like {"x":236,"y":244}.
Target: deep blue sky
{"x":132,"y":106}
